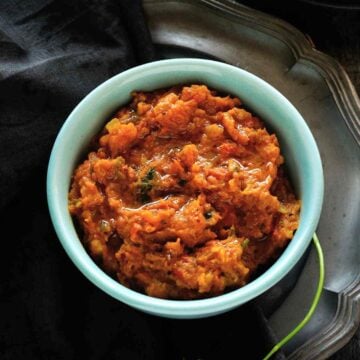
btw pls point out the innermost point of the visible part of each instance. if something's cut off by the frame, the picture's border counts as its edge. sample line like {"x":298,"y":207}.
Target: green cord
{"x":313,"y":305}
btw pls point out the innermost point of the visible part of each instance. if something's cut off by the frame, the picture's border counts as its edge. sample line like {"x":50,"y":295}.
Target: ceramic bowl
{"x":297,"y":145}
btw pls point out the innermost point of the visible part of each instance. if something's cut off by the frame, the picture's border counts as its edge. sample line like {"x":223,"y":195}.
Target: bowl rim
{"x":180,"y":308}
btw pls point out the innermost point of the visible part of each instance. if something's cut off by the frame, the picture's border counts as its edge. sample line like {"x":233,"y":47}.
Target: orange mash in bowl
{"x":183,"y":195}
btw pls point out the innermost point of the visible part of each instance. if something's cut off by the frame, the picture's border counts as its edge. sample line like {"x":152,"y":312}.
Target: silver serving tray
{"x":320,"y":89}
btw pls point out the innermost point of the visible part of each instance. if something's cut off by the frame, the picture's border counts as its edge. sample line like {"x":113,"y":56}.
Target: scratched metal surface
{"x":322,"y":92}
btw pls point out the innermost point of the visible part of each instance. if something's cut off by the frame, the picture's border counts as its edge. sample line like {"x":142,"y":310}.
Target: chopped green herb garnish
{"x":146,"y":186}
{"x":104,"y":226}
{"x":182,"y":182}
{"x":150,"y":175}
{"x":245,"y":243}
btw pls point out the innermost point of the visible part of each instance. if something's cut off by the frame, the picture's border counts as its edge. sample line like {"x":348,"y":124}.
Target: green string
{"x":313,"y":305}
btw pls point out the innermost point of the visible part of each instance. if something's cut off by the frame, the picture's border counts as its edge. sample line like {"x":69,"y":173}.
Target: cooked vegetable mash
{"x":184,"y":195}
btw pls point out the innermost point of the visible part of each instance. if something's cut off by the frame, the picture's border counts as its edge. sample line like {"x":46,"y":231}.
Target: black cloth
{"x":52,"y":53}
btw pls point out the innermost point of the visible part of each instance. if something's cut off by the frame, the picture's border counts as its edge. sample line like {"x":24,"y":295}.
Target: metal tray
{"x":320,"y":89}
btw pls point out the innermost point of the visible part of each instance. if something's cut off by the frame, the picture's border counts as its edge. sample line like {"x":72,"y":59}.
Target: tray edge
{"x":347,"y":317}
{"x":345,"y":322}
{"x":331,"y":70}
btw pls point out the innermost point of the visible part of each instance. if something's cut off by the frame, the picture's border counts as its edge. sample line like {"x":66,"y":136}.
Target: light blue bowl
{"x":297,"y":144}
